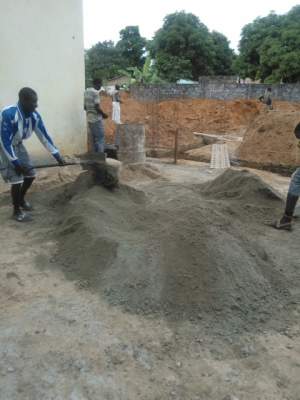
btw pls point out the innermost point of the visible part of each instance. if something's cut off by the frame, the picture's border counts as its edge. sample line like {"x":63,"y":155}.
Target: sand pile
{"x":243,"y":187}
{"x":139,"y":172}
{"x":172,"y":250}
{"x":163,"y":119}
{"x":269,"y":140}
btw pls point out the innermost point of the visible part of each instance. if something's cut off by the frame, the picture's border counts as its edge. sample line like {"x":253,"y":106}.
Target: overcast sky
{"x":104,"y":19}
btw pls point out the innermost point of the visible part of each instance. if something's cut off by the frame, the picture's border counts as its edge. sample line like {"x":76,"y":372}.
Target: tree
{"x":183,"y":48}
{"x":223,"y":54}
{"x":289,"y":45}
{"x":270,"y":48}
{"x":104,"y":61}
{"x":132,"y":46}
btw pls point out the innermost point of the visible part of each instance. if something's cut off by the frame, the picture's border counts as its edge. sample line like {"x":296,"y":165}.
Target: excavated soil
{"x":185,"y":116}
{"x":268,"y":135}
{"x":270,"y":139}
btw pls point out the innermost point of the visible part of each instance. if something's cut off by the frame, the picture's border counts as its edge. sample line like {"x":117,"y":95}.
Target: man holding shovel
{"x":293,"y":195}
{"x":17,"y":124}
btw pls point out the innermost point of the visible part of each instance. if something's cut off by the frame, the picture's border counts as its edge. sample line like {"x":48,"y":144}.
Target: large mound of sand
{"x":174,"y":250}
{"x":270,"y":140}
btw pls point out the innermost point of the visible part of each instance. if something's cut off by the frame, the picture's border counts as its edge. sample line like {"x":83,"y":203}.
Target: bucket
{"x":131,"y":141}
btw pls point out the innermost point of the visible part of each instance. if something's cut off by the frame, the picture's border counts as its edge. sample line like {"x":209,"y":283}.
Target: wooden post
{"x":176,"y":134}
{"x":176,"y":146}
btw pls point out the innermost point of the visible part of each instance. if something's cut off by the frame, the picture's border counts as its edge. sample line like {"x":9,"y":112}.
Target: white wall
{"x":41,"y":46}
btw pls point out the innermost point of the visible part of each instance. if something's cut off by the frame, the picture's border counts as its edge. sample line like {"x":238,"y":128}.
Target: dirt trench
{"x":183,"y":116}
{"x":268,"y":142}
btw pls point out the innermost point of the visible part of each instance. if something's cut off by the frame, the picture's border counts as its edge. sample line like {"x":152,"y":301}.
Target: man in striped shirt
{"x":17,"y":123}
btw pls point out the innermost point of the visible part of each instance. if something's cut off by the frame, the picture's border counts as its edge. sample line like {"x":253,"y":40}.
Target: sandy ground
{"x":70,"y":332}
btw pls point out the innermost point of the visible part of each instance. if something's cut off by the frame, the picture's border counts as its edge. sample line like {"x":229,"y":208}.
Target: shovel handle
{"x":82,"y":162}
{"x":40,"y":166}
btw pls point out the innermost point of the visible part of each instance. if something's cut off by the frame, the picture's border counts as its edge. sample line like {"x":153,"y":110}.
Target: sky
{"x":103,"y":20}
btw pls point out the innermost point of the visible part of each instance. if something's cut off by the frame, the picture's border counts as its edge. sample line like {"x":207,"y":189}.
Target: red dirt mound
{"x":270,"y":140}
{"x":163,"y":119}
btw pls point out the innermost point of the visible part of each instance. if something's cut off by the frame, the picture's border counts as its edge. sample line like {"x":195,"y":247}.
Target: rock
{"x":288,"y":334}
{"x":230,"y":397}
{"x":247,"y":350}
{"x":80,"y":365}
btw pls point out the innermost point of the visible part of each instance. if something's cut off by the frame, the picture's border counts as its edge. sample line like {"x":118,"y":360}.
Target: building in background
{"x":119,"y":80}
{"x":41,"y":46}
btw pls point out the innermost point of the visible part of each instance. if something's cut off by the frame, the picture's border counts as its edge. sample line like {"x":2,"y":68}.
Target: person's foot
{"x":285,"y":223}
{"x":20,"y":216}
{"x":26,"y":206}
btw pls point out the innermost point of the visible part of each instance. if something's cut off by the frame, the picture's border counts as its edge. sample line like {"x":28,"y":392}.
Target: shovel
{"x":86,"y":160}
{"x":103,"y":173}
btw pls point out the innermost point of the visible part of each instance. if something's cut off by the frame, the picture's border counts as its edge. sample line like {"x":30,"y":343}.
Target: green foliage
{"x":103,"y":61}
{"x":184,"y":48}
{"x":240,"y":67}
{"x":173,"y":68}
{"x":270,"y":48}
{"x":132,"y":46}
{"x":146,"y":75}
{"x":223,"y":54}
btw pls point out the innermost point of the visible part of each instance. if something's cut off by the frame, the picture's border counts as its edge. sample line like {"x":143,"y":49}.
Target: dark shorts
{"x":7,"y":169}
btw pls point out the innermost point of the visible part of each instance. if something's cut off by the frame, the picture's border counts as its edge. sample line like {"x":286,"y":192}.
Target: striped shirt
{"x":16,"y":127}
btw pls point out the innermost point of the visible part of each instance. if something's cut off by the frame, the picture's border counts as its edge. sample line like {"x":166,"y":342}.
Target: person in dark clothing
{"x":267,"y":98}
{"x":293,"y":195}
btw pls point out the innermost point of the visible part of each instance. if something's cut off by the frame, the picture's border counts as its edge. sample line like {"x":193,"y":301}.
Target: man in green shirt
{"x":95,"y":115}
